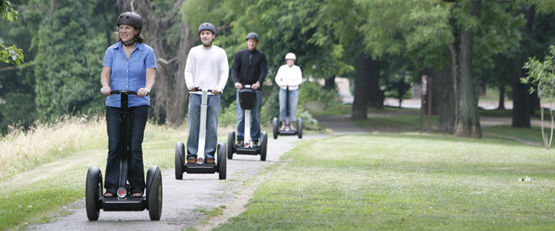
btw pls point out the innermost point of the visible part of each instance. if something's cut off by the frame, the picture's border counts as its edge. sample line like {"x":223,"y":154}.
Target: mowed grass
{"x":404,"y":182}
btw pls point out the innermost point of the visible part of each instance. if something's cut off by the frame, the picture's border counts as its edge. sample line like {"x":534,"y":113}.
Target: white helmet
{"x":290,"y":56}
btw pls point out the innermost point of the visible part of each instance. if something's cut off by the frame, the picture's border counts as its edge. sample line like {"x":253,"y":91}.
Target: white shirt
{"x":207,"y":68}
{"x":287,"y":75}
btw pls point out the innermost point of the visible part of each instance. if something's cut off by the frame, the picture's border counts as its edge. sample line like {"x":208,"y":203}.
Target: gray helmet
{"x":252,"y":35}
{"x":130,"y":18}
{"x":207,"y":26}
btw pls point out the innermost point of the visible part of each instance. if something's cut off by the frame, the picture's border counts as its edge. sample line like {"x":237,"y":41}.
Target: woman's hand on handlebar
{"x":216,"y":91}
{"x":105,"y":91}
{"x":142,"y":92}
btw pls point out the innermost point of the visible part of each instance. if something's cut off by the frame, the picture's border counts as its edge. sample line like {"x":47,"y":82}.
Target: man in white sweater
{"x":207,"y":67}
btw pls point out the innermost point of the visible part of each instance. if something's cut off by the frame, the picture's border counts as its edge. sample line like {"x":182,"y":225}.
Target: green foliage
{"x":314,"y":92}
{"x":7,"y":11}
{"x":542,"y":75}
{"x":10,"y":54}
{"x":67,"y":70}
{"x":228,"y":116}
{"x":19,"y":110}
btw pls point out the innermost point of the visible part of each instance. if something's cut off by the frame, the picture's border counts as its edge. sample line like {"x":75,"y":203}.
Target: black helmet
{"x":207,"y":26}
{"x":252,"y":35}
{"x":130,"y":18}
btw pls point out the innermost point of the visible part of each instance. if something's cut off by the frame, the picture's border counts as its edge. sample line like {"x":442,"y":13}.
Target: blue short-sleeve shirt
{"x":129,"y":74}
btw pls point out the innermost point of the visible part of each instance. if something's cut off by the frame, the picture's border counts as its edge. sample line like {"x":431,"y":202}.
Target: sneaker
{"x":191,"y":160}
{"x":239,"y":143}
{"x":255,"y":143}
{"x":210,"y":161}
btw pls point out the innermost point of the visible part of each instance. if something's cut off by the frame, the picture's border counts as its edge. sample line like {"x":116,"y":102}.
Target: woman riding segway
{"x":288,"y":78}
{"x":128,"y":68}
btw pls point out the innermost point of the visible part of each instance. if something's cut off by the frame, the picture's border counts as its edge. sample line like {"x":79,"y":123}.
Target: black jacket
{"x":246,"y":72}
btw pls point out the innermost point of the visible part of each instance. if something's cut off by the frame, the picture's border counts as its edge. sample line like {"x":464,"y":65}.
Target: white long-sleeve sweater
{"x":207,"y":68}
{"x":287,"y":75}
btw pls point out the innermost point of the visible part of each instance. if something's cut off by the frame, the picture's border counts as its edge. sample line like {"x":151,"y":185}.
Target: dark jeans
{"x":138,"y":117}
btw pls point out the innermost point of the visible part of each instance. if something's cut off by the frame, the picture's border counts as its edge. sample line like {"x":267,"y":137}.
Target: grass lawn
{"x":406,"y":181}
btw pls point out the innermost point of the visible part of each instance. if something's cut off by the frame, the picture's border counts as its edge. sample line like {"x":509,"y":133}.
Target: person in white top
{"x":207,"y":67}
{"x":289,"y":76}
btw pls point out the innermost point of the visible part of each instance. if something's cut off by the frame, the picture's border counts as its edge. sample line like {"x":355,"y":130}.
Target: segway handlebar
{"x":200,"y":89}
{"x":124,"y":91}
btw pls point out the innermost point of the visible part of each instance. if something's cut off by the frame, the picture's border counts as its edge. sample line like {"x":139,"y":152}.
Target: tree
{"x":66,"y":68}
{"x":10,"y":54}
{"x":542,"y":74}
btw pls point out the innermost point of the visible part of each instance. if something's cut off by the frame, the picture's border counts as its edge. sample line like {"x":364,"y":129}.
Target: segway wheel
{"x":222,"y":165}
{"x":263,"y":146}
{"x":154,"y":193}
{"x":93,"y":193}
{"x":230,"y":144}
{"x":300,"y":128}
{"x":179,"y":160}
{"x":275,"y":127}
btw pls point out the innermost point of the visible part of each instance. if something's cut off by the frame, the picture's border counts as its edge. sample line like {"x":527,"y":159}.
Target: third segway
{"x":275,"y":122}
{"x":247,"y":101}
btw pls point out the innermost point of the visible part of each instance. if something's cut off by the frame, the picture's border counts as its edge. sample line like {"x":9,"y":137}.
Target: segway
{"x":275,"y":122}
{"x":247,"y":101}
{"x":95,"y":199}
{"x":200,"y":166}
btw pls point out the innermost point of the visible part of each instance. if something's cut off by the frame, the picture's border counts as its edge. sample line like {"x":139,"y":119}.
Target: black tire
{"x":263,"y":146}
{"x":300,"y":128}
{"x":222,"y":165}
{"x":179,"y":160}
{"x":154,"y":193}
{"x":93,"y":193}
{"x":230,"y":144}
{"x":275,"y":127}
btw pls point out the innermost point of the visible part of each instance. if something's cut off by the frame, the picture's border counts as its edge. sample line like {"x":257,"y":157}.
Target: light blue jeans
{"x":293,"y":102}
{"x":255,"y":117}
{"x":213,"y":111}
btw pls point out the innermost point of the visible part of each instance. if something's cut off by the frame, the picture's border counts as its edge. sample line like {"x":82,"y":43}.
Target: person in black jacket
{"x":249,"y":68}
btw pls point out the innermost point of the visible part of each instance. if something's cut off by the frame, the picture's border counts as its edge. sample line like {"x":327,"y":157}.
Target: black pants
{"x":138,"y":117}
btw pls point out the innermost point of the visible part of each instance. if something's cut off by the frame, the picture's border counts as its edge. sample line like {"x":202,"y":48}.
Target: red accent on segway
{"x":200,"y":160}
{"x":122,"y":192}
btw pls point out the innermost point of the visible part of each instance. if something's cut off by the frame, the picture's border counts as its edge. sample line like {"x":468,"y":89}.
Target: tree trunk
{"x":169,"y":95}
{"x":467,"y":120}
{"x":362,"y":86}
{"x":444,"y":95}
{"x":521,"y":110}
{"x":501,"y":98}
{"x":329,"y":84}
{"x":534,"y":103}
{"x":376,"y":95}
{"x":521,"y":95}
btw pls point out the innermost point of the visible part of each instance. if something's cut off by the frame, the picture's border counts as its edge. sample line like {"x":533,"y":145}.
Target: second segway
{"x":291,"y":132}
{"x":200,"y":166}
{"x":95,"y":199}
{"x":247,"y":101}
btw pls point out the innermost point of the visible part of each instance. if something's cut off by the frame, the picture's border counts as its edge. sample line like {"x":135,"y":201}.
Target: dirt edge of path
{"x":240,"y":201}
